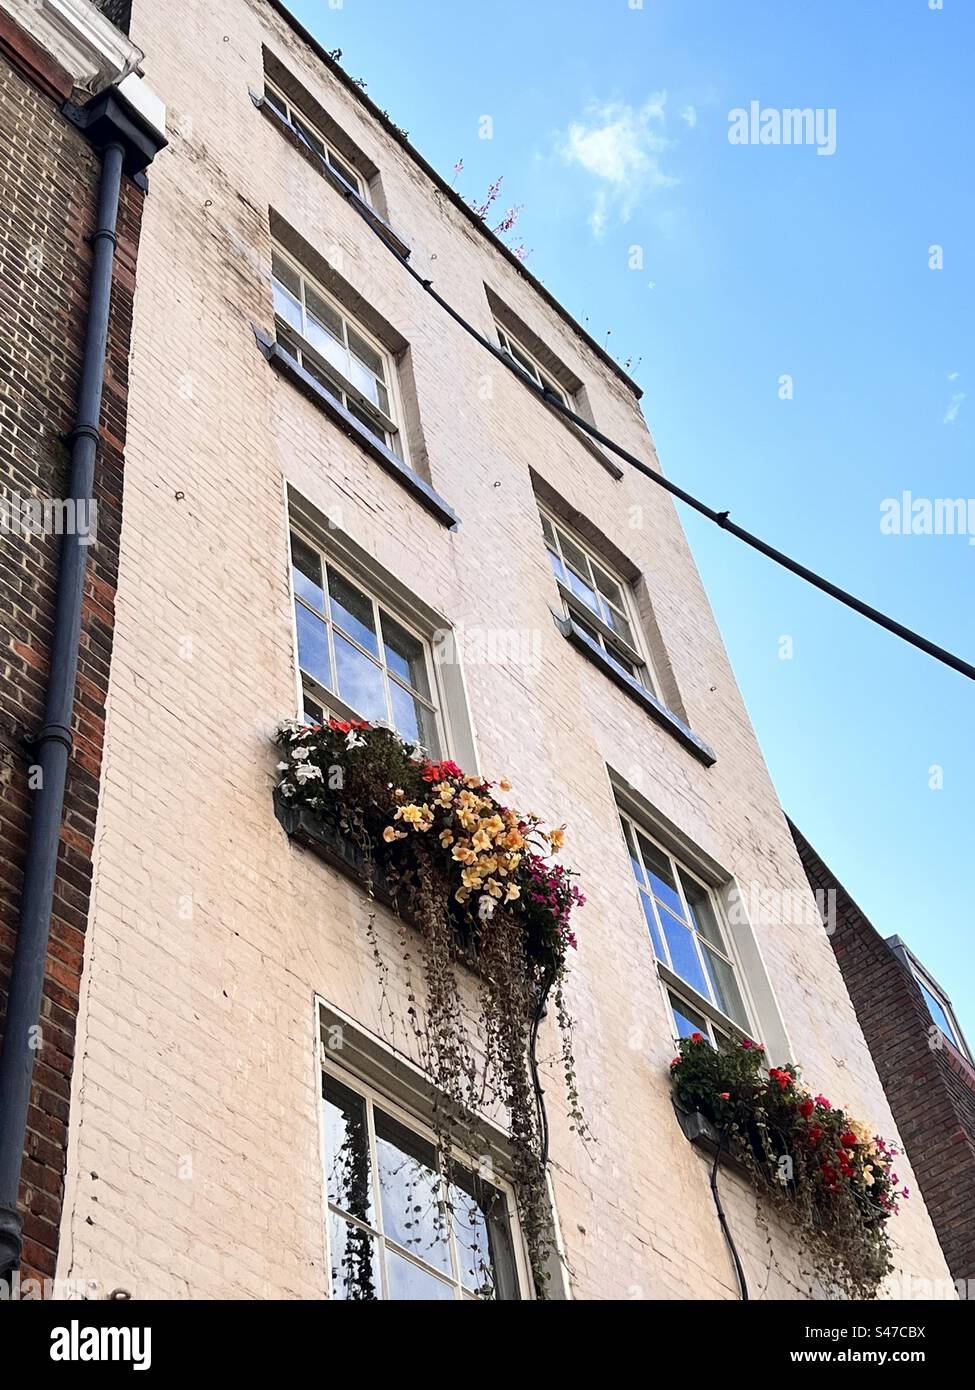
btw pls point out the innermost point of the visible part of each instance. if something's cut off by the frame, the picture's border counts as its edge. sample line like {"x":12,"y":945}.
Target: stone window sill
{"x":295,"y":373}
{"x":660,"y":713}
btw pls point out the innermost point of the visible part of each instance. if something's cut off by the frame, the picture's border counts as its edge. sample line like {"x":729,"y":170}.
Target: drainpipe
{"x":125,"y":140}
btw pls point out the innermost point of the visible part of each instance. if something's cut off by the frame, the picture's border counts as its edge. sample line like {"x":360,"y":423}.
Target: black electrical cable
{"x":721,"y":519}
{"x":723,"y":1220}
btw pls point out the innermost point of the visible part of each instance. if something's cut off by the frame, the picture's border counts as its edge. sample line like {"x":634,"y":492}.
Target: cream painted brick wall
{"x":194,"y":1167}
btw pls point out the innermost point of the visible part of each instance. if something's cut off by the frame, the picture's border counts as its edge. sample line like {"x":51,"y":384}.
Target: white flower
{"x":284,"y":767}
{"x":287,"y":789}
{"x":306,"y":773}
{"x":300,"y":755}
{"x":354,"y":739}
{"x":485,"y":907}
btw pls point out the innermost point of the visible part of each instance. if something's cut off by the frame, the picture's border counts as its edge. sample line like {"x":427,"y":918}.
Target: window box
{"x":284,"y":363}
{"x":706,"y":1137}
{"x":663,"y":716}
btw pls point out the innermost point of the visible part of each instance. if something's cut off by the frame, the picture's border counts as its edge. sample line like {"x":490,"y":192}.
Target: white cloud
{"x":951,"y":414}
{"x":689,"y":114}
{"x":952,"y":376}
{"x":620,"y":145}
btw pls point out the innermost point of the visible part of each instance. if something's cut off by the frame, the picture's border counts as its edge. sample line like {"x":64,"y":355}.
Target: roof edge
{"x":458,"y":202}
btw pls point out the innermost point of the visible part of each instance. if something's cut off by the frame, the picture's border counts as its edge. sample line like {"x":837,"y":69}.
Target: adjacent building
{"x":922,"y":1059}
{"x":337,"y":501}
{"x":69,"y":88}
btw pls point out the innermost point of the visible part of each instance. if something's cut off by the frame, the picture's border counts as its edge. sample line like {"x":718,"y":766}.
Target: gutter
{"x":127,"y":142}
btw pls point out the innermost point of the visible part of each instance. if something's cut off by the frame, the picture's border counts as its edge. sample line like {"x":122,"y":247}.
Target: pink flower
{"x":906,"y":1193}
{"x":821,"y":1100}
{"x":725,"y":1095}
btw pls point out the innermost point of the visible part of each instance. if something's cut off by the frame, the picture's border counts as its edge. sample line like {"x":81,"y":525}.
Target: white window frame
{"x":530,"y":364}
{"x":304,"y":127}
{"x":390,"y":424}
{"x":718,"y":1024}
{"x":636,"y":653}
{"x":374,"y":1097}
{"x":330,"y":701}
{"x":928,"y":985}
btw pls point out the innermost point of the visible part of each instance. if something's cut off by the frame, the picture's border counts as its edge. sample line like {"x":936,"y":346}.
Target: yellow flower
{"x":513,"y":892}
{"x":868,"y":1174}
{"x":557,"y":838}
{"x":504,"y":785}
{"x":488,"y":864}
{"x":481,"y":840}
{"x":493,"y":887}
{"x":462,"y":895}
{"x":389,"y":835}
{"x":463,"y":853}
{"x":471,"y":878}
{"x":411,"y":814}
{"x":473,"y":782}
{"x":514,"y":840}
{"x":446,"y":838}
{"x":493,"y":826}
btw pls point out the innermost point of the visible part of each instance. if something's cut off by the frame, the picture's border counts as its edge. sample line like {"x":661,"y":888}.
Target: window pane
{"x":306,"y":569}
{"x":548,"y":532}
{"x":619,"y":660}
{"x":326,"y":315}
{"x":609,"y":588}
{"x":616,"y":621}
{"x":634,"y":859}
{"x":313,"y":712}
{"x":688,"y":1020}
{"x":307,"y":134}
{"x":726,"y":993}
{"x":367,"y":355}
{"x":684,"y":958}
{"x":287,"y":274}
{"x":483,"y":1234}
{"x":277,"y":102}
{"x":937,"y":1012}
{"x":321,"y":337}
{"x":353,"y":611}
{"x":313,"y":646}
{"x":410,"y":1192}
{"x":557,"y":566}
{"x":355,"y":1275}
{"x":286,"y":306}
{"x":702,"y":912}
{"x":404,"y":654}
{"x":347,"y":1150}
{"x":366,"y":419}
{"x":652,"y":924}
{"x":407,"y":1282}
{"x":360,"y":681}
{"x":363,"y":380}
{"x":661,"y":875}
{"x":413,"y":720}
{"x":344,"y":171}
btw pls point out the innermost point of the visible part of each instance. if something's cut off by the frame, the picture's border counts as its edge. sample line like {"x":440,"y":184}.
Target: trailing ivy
{"x":826,"y":1173}
{"x":476,"y":880}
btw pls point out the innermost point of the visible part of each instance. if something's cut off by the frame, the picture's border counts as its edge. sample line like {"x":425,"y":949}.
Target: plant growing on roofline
{"x":825,"y":1172}
{"x":475,"y":879}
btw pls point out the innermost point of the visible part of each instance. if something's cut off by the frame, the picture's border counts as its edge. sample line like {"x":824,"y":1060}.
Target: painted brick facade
{"x":929,"y":1083}
{"x":48,"y":181}
{"x":195,"y":1164}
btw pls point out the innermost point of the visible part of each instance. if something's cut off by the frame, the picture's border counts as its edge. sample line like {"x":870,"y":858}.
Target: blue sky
{"x":610,"y":126}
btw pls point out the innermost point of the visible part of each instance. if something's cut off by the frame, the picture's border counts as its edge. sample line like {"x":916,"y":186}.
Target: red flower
{"x":848,"y":1140}
{"x":806,"y":1108}
{"x":697,"y":1037}
{"x":747,"y":1044}
{"x":439,"y":772}
{"x":725,"y":1095}
{"x":815,"y":1134}
{"x":784,"y":1078}
{"x":676,"y":1062}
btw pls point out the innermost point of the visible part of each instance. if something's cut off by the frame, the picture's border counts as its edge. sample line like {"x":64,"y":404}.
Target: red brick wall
{"x":48,"y":182}
{"x":929,"y":1085}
